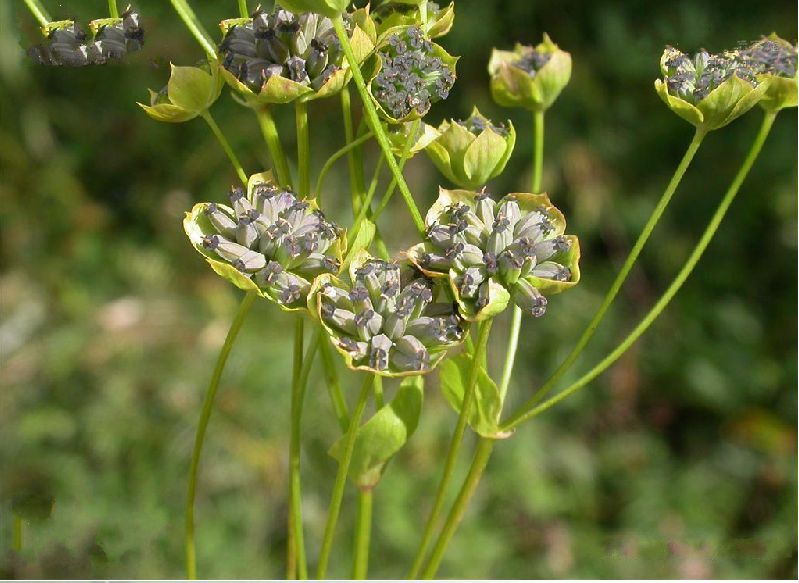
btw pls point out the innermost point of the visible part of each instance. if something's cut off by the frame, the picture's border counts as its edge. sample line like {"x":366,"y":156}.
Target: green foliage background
{"x":679,"y":462}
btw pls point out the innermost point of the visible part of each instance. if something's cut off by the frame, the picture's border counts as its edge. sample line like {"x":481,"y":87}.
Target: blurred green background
{"x":678,"y":462}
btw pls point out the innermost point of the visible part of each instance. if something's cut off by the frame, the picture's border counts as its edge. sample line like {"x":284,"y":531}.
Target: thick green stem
{"x":454,"y":448}
{"x":113,"y":11}
{"x":205,"y":415}
{"x":376,"y":125}
{"x":39,"y":12}
{"x":206,"y":115}
{"x":344,"y":150}
{"x":17,"y":527}
{"x":297,"y":566}
{"x":243,"y":12}
{"x":272,"y":139}
{"x":354,"y":157}
{"x":672,"y":290}
{"x":528,"y":405}
{"x":332,"y":382}
{"x":482,"y":452}
{"x":195,"y":27}
{"x":538,"y":150}
{"x":363,"y":530}
{"x":303,"y":148}
{"x":341,"y":478}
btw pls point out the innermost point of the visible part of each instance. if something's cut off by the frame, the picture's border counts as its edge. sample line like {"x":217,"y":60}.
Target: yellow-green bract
{"x":189,"y":92}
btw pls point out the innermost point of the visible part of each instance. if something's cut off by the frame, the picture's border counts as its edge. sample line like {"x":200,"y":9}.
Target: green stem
{"x":538,"y":150}
{"x":243,"y":12}
{"x":354,"y":157}
{"x":454,"y":447}
{"x":344,"y":150}
{"x":378,"y":390}
{"x":113,"y":11}
{"x":297,"y":566}
{"x":376,"y":126}
{"x":303,"y":148}
{"x":195,"y":27}
{"x":482,"y":452}
{"x":17,"y":527}
{"x":363,"y":529}
{"x":206,"y":115}
{"x":672,"y":290}
{"x":341,"y":478}
{"x":205,"y":415}
{"x":39,"y":12}
{"x":272,"y":139}
{"x":332,"y":382}
{"x":528,"y":405}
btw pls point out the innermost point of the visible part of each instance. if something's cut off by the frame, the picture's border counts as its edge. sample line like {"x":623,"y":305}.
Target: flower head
{"x":267,"y":240}
{"x":708,"y":90}
{"x":281,"y":56}
{"x":775,"y":60}
{"x":471,"y":152}
{"x":411,"y":74}
{"x":386,"y":319}
{"x":529,"y":77}
{"x":495,"y":252}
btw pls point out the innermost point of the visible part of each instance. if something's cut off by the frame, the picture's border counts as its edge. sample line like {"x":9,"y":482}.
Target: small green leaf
{"x":363,"y":238}
{"x":191,"y":88}
{"x":487,"y":405}
{"x":380,"y":438}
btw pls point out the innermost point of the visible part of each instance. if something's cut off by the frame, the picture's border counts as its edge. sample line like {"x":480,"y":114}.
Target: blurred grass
{"x":679,"y":462}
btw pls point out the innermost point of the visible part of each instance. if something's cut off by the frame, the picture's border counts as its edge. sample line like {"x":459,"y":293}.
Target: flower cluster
{"x":386,"y":321}
{"x":68,"y":45}
{"x":493,"y":252}
{"x":772,"y":56}
{"x":414,"y":73}
{"x":302,"y":48}
{"x":272,"y":240}
{"x":693,"y":79}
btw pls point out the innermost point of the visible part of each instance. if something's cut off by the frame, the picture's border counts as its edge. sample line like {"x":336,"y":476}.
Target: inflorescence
{"x":693,"y":79}
{"x":388,"y":322}
{"x":531,"y":61}
{"x":477,"y":123}
{"x":771,"y":57}
{"x":67,"y":45}
{"x":411,"y":77}
{"x":301,"y":48}
{"x":275,"y":239}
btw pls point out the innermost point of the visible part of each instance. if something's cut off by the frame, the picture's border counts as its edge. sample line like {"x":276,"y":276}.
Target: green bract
{"x":385,"y":319}
{"x":774,"y":60}
{"x":708,"y":91}
{"x":280,"y":57}
{"x":409,"y":74}
{"x":189,"y":92}
{"x":435,"y":21}
{"x":399,"y":134}
{"x":473,"y":151}
{"x":329,"y":8}
{"x":497,"y":252}
{"x":529,"y":77}
{"x":269,"y":241}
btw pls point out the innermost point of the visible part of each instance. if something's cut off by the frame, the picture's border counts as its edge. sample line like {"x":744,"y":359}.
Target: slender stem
{"x":482,"y":452}
{"x":243,"y":12}
{"x":113,"y":11}
{"x":354,"y":157}
{"x":272,"y":139}
{"x":538,"y":150}
{"x":303,"y":148}
{"x":295,"y":510}
{"x":671,"y":291}
{"x":333,"y":385}
{"x":39,"y":12}
{"x":378,"y":390}
{"x":18,"y":528}
{"x":341,"y":479}
{"x":363,"y":531}
{"x":205,"y":415}
{"x":206,"y":115}
{"x":376,"y":126}
{"x":528,"y":405}
{"x":344,"y":150}
{"x":452,"y":453}
{"x":195,"y":27}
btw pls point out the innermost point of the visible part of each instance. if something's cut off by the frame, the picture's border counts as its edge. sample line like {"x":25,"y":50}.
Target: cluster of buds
{"x":386,"y":320}
{"x":281,"y":56}
{"x":471,"y":152}
{"x":412,"y":74}
{"x":493,"y":252}
{"x":708,"y":90}
{"x":775,"y":60}
{"x":267,"y":239}
{"x":529,"y":77}
{"x":68,"y":45}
